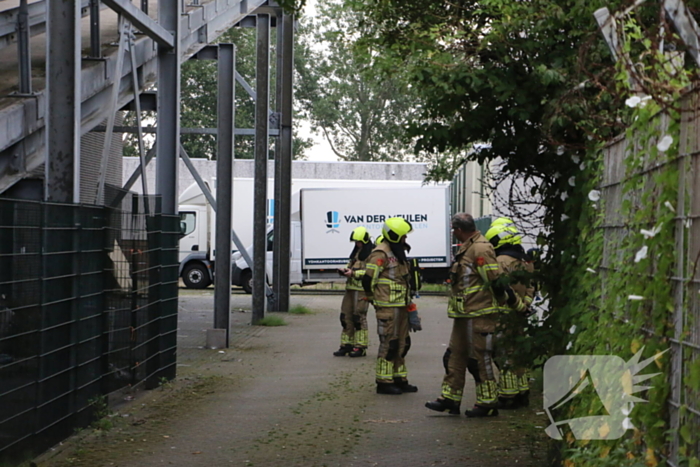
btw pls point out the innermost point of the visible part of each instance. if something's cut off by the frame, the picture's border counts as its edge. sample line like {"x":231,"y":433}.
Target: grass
{"x":300,"y":310}
{"x":272,"y":321}
{"x":435,"y":288}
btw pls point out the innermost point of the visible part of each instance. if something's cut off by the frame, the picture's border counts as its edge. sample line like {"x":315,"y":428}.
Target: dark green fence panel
{"x":88,"y":306}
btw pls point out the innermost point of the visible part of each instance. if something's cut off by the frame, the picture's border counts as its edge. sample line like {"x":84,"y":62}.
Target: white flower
{"x":650,"y":233}
{"x":576,"y":159}
{"x":627,"y":408}
{"x":594,"y":195}
{"x":633,"y":101}
{"x":627,"y":424}
{"x":641,"y":254}
{"x":556,"y":175}
{"x":670,"y":206}
{"x":564,"y":195}
{"x":569,"y":345}
{"x":592,"y":270}
{"x":564,"y":217}
{"x":572,"y":180}
{"x":635,"y":297}
{"x":665,"y":143}
{"x":560,"y":150}
{"x":582,"y":166}
{"x":643,"y":101}
{"x":572,"y":329}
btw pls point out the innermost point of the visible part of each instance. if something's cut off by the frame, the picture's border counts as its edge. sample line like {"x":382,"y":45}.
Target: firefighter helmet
{"x":394,"y":228}
{"x":360,"y":234}
{"x":503,"y":234}
{"x":502,"y":221}
{"x":379,"y":239}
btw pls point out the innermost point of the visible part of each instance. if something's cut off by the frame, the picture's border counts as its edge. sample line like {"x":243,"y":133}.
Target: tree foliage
{"x":199,"y":94}
{"x":360,"y":112}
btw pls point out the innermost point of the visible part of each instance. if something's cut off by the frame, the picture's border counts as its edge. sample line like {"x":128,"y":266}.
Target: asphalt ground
{"x":278,"y":396}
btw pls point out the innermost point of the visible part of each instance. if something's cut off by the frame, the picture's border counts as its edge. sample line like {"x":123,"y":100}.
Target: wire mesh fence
{"x":88,"y":305}
{"x":683,"y":333}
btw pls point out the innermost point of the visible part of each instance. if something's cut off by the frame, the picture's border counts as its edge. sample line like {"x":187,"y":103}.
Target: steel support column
{"x":23,"y":50}
{"x":262,"y":91}
{"x":168,"y":132}
{"x":224,"y":186}
{"x":284,"y":172}
{"x":95,"y":42}
{"x":276,"y":254}
{"x":62,"y":180}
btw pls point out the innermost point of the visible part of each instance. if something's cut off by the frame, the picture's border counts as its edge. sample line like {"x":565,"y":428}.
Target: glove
{"x":414,"y":321}
{"x":512,"y":299}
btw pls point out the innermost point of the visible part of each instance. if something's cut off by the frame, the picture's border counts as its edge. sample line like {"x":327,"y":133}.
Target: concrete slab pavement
{"x":283,"y":399}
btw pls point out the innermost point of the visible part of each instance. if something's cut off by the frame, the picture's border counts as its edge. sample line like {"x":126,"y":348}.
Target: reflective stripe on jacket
{"x":390,"y":278}
{"x":474,"y":268}
{"x":354,"y":282}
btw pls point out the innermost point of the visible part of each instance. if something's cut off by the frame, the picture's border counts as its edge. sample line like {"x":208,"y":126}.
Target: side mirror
{"x":183,"y":228}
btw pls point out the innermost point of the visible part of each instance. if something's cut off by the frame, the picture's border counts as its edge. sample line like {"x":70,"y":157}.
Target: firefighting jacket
{"x":389,"y":278}
{"x":354,"y":282}
{"x":514,"y":265}
{"x":475,"y":266}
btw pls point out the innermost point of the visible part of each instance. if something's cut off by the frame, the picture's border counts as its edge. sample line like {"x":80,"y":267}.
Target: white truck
{"x":197,"y":255}
{"x":323,"y":218}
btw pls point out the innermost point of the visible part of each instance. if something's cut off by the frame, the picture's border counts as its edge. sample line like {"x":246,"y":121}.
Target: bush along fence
{"x":88,"y":306}
{"x":636,"y":270}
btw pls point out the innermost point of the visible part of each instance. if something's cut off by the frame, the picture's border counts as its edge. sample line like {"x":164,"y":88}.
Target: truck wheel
{"x":196,"y":276}
{"x":247,"y":281}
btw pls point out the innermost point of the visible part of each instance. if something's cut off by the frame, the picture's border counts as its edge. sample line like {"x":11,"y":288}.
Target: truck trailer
{"x":325,"y":217}
{"x":197,"y":255}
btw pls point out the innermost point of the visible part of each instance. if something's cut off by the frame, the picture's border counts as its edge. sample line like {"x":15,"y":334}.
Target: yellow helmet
{"x":394,"y":228}
{"x":360,"y":234}
{"x":503,"y":234}
{"x":379,"y":240}
{"x":502,"y":221}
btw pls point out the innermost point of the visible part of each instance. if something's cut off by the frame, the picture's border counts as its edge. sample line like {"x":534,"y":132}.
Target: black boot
{"x":444,"y":405}
{"x":388,"y":388}
{"x":477,"y":412}
{"x":343,"y":350}
{"x":358,"y":352}
{"x":404,"y":386}
{"x":523,"y":399}
{"x":508,"y":403}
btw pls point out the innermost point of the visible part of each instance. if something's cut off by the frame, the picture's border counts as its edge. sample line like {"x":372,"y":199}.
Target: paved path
{"x":283,"y":399}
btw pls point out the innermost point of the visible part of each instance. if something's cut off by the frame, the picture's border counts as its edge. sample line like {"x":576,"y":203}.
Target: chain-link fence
{"x":684,"y":319}
{"x":88,"y":305}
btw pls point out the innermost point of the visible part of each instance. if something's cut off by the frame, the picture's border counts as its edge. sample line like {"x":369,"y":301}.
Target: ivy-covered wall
{"x":634,"y":282}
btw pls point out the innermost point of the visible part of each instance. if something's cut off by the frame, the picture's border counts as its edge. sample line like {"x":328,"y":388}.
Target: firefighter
{"x":387,"y":284}
{"x":354,"y":338}
{"x":513,"y":387}
{"x":474,"y":307}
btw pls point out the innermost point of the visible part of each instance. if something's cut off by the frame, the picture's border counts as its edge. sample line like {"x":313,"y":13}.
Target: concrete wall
{"x":243,"y":168}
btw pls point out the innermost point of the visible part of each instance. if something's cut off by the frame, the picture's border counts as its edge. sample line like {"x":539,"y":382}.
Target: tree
{"x":199,"y":97}
{"x":360,"y":113}
{"x":199,"y":100}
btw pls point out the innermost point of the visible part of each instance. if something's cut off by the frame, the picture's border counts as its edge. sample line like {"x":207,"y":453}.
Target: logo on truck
{"x":333,"y":221}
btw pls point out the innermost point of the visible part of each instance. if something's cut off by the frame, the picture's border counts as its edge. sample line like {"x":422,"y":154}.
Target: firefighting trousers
{"x":514,"y":378}
{"x":353,"y":318}
{"x":394,"y":343}
{"x":471,"y":349}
